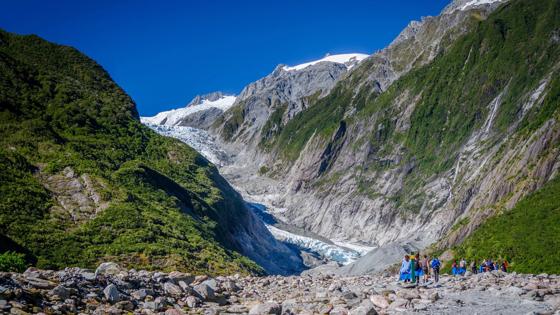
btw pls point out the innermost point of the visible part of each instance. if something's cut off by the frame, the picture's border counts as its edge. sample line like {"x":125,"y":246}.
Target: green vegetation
{"x":527,"y":235}
{"x":166,"y":206}
{"x":12,"y":262}
{"x":323,"y":117}
{"x":263,"y":170}
{"x":273,"y":126}
{"x":233,"y":122}
{"x":510,"y":51}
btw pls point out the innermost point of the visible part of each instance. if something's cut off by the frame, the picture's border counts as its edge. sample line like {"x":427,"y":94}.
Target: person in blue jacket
{"x":404,"y":274}
{"x":435,"y":268}
{"x":454,"y":269}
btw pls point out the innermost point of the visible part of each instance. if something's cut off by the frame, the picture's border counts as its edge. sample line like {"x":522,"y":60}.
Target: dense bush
{"x":528,"y":236}
{"x":12,"y":262}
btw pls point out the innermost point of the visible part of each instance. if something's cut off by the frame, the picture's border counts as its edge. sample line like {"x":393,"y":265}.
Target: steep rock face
{"x":441,"y":131}
{"x":463,"y":136}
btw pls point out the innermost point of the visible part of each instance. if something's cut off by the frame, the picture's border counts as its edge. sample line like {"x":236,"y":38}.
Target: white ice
{"x":172,"y":117}
{"x":341,"y":58}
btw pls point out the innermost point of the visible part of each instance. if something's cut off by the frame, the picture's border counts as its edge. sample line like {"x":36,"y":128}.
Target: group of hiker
{"x":416,"y":268}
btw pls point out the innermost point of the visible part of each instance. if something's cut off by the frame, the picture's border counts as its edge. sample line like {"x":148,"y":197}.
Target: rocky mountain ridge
{"x":451,"y":124}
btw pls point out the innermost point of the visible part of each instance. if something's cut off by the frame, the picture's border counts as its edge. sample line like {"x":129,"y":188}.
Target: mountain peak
{"x":211,"y":97}
{"x":347,"y":59}
{"x":469,"y":4}
{"x":202,"y":102}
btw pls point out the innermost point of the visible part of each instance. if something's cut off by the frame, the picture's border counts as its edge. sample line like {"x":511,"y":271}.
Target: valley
{"x":302,"y":192}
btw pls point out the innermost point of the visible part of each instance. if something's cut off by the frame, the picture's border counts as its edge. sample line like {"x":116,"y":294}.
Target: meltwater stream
{"x":342,"y":253}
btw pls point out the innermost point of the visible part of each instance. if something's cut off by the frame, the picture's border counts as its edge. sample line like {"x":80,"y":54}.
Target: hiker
{"x":426,"y":268}
{"x":405,"y":269}
{"x":435,"y":267}
{"x":504,"y":266}
{"x":474,"y":270}
{"x":488,"y":266}
{"x":419,"y":272}
{"x":462,"y":267}
{"x":454,"y":269}
{"x":413,"y":268}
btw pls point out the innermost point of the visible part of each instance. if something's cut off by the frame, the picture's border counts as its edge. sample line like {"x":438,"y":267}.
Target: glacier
{"x":172,"y":117}
{"x":198,"y":139}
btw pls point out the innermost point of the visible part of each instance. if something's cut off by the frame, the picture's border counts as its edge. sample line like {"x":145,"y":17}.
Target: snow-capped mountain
{"x":464,"y":5}
{"x":349,"y":60}
{"x":199,"y":104}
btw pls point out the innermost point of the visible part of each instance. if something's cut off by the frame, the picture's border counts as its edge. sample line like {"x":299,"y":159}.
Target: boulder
{"x":365,"y":308}
{"x":172,"y":289}
{"x":177,"y":277}
{"x":266,"y":308}
{"x":139,"y":295}
{"x":61,"y":292}
{"x":204,"y":291}
{"x":230,"y":286}
{"x":408,"y":295}
{"x":108,"y":269}
{"x":379,"y":301}
{"x":174,"y":311}
{"x":192,"y":301}
{"x":212,"y":283}
{"x":87,"y":274}
{"x":112,"y":293}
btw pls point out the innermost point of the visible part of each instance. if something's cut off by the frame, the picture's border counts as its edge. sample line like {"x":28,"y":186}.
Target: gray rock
{"x":379,"y":301}
{"x":139,"y":295}
{"x":174,"y":311}
{"x":204,"y":291}
{"x":112,"y":293}
{"x":365,"y":308}
{"x":108,"y":268}
{"x":212,"y":283}
{"x":60,"y":291}
{"x":178,"y":277}
{"x":211,"y":311}
{"x":266,"y":308}
{"x":88,"y":275}
{"x":172,"y":289}
{"x":230,"y":286}
{"x":192,"y":301}
{"x":236,"y":309}
{"x":40,"y":283}
{"x":125,"y":305}
{"x":339,"y":310}
{"x":325,"y":308}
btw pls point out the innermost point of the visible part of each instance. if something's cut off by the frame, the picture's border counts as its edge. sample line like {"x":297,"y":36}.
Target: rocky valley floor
{"x":112,"y":290}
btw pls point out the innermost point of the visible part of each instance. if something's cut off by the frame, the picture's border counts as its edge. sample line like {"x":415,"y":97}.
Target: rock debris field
{"x":112,"y":290}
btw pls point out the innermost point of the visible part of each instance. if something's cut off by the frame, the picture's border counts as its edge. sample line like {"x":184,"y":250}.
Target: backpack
{"x":435,"y":263}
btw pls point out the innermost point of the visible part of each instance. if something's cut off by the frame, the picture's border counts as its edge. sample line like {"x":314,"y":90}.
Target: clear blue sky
{"x":163,"y":53}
